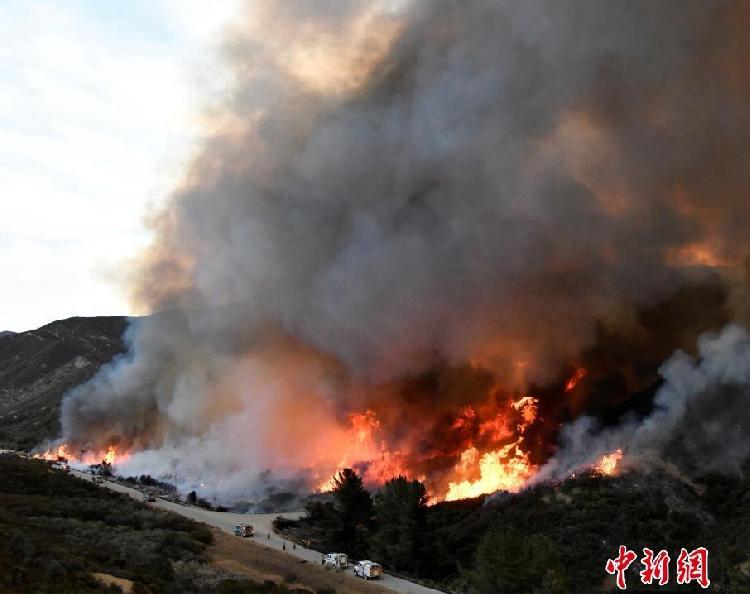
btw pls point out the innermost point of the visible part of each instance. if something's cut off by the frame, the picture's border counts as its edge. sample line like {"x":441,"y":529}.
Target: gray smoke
{"x":393,"y":185}
{"x":700,"y":422}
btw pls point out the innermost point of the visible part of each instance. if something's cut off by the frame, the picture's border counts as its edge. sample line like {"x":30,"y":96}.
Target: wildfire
{"x":63,"y":452}
{"x":111,"y":455}
{"x":607,"y":466}
{"x":367,"y":446}
{"x":497,"y":428}
{"x":527,"y":407}
{"x":505,"y":469}
{"x":491,"y":455}
{"x":580,"y":373}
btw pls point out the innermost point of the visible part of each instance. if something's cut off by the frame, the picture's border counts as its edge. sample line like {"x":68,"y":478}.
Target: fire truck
{"x":368,"y":570}
{"x":61,"y":466}
{"x":336,"y":560}
{"x":243,"y":530}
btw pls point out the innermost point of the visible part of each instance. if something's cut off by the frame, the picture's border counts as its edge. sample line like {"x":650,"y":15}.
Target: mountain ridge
{"x":39,"y":366}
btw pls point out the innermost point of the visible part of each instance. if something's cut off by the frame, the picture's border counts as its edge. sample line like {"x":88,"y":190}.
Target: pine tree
{"x":400,"y":509}
{"x":354,"y":511}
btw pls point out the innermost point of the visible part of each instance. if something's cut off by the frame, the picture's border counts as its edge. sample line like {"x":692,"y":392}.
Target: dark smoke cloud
{"x":700,"y":422}
{"x":394,"y":186}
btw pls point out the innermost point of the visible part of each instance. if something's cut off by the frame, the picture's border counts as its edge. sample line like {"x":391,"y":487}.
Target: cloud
{"x":97,"y":117}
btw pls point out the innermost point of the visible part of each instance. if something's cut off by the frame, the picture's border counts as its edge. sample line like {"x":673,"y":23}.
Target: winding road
{"x":264,"y":533}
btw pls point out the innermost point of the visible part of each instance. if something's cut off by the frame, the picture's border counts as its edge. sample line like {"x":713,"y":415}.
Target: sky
{"x":99,"y":104}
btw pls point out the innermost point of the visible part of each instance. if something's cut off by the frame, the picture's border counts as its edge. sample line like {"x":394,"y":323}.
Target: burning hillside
{"x":441,"y":239}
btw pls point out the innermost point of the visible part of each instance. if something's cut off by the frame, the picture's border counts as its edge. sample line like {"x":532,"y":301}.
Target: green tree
{"x":507,"y":562}
{"x":400,"y":520}
{"x":354,"y":511}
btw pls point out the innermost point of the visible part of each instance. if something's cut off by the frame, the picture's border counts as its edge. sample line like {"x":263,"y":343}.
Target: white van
{"x":336,"y":560}
{"x":368,"y":570}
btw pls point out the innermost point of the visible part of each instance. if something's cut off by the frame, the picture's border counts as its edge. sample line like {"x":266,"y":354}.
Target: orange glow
{"x":697,"y":254}
{"x":62,"y":452}
{"x":367,"y":446}
{"x":323,"y":59}
{"x":465,"y":418}
{"x":497,"y":428}
{"x":364,"y":426}
{"x":527,"y":407}
{"x":328,"y":486}
{"x":110,"y":456}
{"x":608,"y":464}
{"x":483,"y":467}
{"x":505,"y":469}
{"x":580,"y":373}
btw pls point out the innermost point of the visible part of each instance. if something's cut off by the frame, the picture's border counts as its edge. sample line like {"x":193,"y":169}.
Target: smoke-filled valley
{"x":473,"y":243}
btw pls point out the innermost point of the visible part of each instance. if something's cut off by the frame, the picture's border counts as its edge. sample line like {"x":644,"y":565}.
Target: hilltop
{"x":37,"y":367}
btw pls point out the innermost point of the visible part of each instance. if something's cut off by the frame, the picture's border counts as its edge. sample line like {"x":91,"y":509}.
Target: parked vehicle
{"x":336,"y":560}
{"x":244,"y":530}
{"x":368,"y":570}
{"x":97,"y":478}
{"x":149,"y":497}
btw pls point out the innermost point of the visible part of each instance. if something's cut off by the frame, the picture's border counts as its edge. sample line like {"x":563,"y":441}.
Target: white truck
{"x":243,"y":530}
{"x":368,"y":570}
{"x":336,"y":560}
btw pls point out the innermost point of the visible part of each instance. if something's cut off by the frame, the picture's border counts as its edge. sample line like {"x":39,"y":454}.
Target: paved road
{"x":264,"y":533}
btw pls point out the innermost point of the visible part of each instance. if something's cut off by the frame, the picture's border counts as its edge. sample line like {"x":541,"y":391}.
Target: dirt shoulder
{"x":261,"y":563}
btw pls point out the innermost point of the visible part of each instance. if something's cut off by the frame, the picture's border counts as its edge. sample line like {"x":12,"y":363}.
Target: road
{"x":264,"y":533}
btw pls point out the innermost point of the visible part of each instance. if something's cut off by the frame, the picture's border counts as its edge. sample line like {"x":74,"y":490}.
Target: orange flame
{"x":527,"y":406}
{"x":607,"y":466}
{"x":497,"y":428}
{"x":62,"y":452}
{"x":505,"y":469}
{"x":111,"y":455}
{"x":383,"y":464}
{"x":580,"y":373}
{"x":497,"y":461}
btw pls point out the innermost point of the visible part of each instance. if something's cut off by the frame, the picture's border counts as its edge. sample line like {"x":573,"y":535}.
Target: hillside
{"x":512,"y":542}
{"x":60,"y":534}
{"x":37,"y":367}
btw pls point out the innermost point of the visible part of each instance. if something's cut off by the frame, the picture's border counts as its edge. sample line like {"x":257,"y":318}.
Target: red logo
{"x":655,"y":567}
{"x":691,"y":567}
{"x":620,"y":565}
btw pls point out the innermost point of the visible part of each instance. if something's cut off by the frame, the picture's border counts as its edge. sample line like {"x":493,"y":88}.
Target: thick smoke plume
{"x":700,"y":422}
{"x":404,"y":211}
